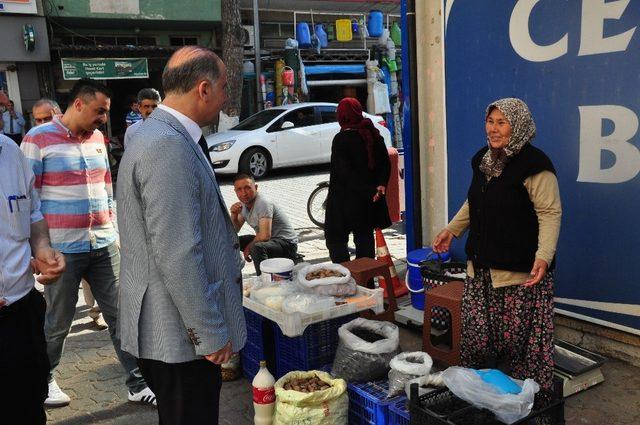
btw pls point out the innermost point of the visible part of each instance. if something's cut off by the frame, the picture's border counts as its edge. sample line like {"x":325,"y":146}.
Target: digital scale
{"x":577,"y":368}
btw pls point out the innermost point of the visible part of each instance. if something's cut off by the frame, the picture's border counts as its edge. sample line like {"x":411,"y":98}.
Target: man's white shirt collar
{"x":190,"y":125}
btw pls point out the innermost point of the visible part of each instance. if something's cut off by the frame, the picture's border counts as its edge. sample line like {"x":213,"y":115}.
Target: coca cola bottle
{"x":264,"y":396}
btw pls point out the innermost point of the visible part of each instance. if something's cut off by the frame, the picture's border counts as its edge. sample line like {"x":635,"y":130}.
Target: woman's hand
{"x":442,"y":242}
{"x":538,"y":272}
{"x":380,"y":193}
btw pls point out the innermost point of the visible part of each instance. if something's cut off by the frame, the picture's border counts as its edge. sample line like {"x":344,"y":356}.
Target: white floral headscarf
{"x":523,"y":130}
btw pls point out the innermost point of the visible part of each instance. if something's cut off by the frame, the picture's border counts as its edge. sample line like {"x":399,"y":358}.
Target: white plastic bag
{"x":426,"y":383}
{"x":509,"y":408}
{"x":307,"y":303}
{"x":381,"y":98}
{"x":358,"y":359}
{"x":405,"y":367}
{"x":272,"y":294}
{"x":333,"y":286}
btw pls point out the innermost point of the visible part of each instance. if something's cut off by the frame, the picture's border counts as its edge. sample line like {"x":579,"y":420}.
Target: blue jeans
{"x":101,"y":269}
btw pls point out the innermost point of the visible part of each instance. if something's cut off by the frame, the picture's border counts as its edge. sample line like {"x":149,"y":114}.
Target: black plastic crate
{"x":442,"y":407}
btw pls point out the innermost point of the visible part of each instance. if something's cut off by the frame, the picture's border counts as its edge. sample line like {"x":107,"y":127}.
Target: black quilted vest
{"x":503,"y":231}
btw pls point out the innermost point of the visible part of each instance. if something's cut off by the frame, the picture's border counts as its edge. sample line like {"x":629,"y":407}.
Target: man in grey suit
{"x":180,"y":282}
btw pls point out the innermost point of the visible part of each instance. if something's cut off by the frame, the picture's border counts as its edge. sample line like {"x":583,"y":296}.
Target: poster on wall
{"x":104,"y":69}
{"x":575,"y":63}
{"x":18,"y":6}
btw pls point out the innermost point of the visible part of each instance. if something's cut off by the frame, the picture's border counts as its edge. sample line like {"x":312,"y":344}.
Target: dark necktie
{"x":203,"y":145}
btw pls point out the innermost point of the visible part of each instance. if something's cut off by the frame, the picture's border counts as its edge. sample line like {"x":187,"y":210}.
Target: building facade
{"x":24,"y":56}
{"x":125,"y":43}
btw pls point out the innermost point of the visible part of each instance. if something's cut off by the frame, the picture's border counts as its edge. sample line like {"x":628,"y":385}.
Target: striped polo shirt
{"x":74,"y":182}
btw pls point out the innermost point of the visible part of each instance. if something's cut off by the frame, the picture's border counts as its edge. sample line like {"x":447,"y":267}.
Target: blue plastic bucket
{"x":414,"y":277}
{"x":375,"y":24}
{"x":303,"y":35}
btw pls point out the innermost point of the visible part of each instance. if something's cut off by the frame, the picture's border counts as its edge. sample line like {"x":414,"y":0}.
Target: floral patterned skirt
{"x":513,"y":323}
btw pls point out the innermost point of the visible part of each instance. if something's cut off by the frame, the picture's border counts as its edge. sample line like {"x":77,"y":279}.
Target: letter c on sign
{"x":521,"y":39}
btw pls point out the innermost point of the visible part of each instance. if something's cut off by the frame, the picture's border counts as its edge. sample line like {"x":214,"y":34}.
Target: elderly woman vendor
{"x":513,"y":215}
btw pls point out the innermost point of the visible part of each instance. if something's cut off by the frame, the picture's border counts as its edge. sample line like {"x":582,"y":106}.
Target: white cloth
{"x":131,"y":130}
{"x":19,"y":207}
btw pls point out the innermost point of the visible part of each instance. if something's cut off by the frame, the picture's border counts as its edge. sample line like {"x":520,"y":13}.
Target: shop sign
{"x":575,"y":63}
{"x":104,"y":69}
{"x":19,"y":6}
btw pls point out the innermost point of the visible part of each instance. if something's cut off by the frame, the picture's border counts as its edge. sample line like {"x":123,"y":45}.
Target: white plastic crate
{"x":294,"y":324}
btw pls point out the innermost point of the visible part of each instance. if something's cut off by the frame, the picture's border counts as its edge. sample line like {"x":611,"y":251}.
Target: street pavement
{"x":90,"y":374}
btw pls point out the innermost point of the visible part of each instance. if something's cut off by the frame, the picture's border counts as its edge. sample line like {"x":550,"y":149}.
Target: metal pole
{"x":256,"y":48}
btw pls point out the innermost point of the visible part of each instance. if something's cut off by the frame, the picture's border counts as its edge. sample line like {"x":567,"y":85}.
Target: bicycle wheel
{"x":316,"y":205}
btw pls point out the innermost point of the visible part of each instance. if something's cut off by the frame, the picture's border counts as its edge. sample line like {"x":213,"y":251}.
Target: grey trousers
{"x":273,"y":248}
{"x":101,"y":269}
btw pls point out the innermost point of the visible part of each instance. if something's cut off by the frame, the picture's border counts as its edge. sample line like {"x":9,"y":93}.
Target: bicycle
{"x":317,"y":204}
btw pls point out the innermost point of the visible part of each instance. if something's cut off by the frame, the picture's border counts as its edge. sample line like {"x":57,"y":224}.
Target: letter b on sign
{"x":592,"y":142}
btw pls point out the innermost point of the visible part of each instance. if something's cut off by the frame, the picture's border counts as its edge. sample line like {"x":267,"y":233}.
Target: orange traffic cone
{"x":382,"y":253}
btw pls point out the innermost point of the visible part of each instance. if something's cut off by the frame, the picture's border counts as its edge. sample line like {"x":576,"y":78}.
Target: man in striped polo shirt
{"x":69,"y":159}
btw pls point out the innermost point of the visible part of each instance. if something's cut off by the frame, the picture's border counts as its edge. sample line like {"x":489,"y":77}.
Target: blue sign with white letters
{"x":576,"y":63}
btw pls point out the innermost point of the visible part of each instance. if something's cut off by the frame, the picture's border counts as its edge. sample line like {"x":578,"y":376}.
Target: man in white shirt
{"x":13,"y":123}
{"x":24,"y":364}
{"x":148,"y":101}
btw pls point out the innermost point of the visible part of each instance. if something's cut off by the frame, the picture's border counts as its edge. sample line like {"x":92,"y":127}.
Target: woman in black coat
{"x":360,"y":169}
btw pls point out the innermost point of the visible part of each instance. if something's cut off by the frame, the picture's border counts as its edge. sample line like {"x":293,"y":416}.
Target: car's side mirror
{"x":287,"y":124}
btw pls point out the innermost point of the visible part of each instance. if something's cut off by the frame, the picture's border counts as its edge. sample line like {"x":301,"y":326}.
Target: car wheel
{"x":254,"y":162}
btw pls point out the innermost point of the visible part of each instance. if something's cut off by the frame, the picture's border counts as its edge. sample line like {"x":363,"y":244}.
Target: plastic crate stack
{"x":399,"y":412}
{"x":313,"y":350}
{"x":443,"y":407}
{"x":254,"y":349}
{"x":368,"y":403}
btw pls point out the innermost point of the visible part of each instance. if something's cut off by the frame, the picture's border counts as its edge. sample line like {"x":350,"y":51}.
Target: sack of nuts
{"x":311,"y":398}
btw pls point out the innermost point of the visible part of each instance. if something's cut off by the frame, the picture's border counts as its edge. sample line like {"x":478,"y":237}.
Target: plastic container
{"x":322,"y":35}
{"x":443,"y":407}
{"x":375,"y":23}
{"x":414,"y":280}
{"x":276,"y":269}
{"x":248,"y":67}
{"x":399,"y":412}
{"x":303,"y":35}
{"x":294,"y":324}
{"x":314,"y":349}
{"x":264,"y":396}
{"x":396,"y":34}
{"x":343,"y":30}
{"x":368,"y":403}
{"x":331,"y":31}
{"x":287,"y":76}
{"x":355,"y":28}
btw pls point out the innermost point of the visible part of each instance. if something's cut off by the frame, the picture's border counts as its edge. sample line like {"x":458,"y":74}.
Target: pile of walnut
{"x":322,"y":273}
{"x":306,"y":385}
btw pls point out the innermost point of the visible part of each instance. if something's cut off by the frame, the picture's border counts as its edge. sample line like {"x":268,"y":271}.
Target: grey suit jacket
{"x":180,"y":277}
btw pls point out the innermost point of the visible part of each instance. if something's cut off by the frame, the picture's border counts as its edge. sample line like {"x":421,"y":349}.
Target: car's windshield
{"x":258,"y":120}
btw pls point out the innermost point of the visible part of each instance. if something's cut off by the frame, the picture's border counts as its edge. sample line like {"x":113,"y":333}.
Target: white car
{"x":282,"y":136}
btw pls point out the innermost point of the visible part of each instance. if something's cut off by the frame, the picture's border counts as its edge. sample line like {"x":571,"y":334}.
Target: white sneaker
{"x":56,"y":397}
{"x":145,"y":396}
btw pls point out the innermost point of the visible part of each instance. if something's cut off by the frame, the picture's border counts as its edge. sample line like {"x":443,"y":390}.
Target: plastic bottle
{"x":264,"y":396}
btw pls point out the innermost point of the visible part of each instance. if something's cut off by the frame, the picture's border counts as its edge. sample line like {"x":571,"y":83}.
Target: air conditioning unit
{"x":249,"y":39}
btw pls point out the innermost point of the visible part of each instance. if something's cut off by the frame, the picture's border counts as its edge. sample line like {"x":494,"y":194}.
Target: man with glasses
{"x":44,"y":110}
{"x":148,"y":101}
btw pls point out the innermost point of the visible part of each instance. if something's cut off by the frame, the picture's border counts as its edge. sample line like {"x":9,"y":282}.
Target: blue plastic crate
{"x":399,"y":412}
{"x":255,"y":327}
{"x":314,"y":349}
{"x":250,"y":365}
{"x":368,"y":403}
